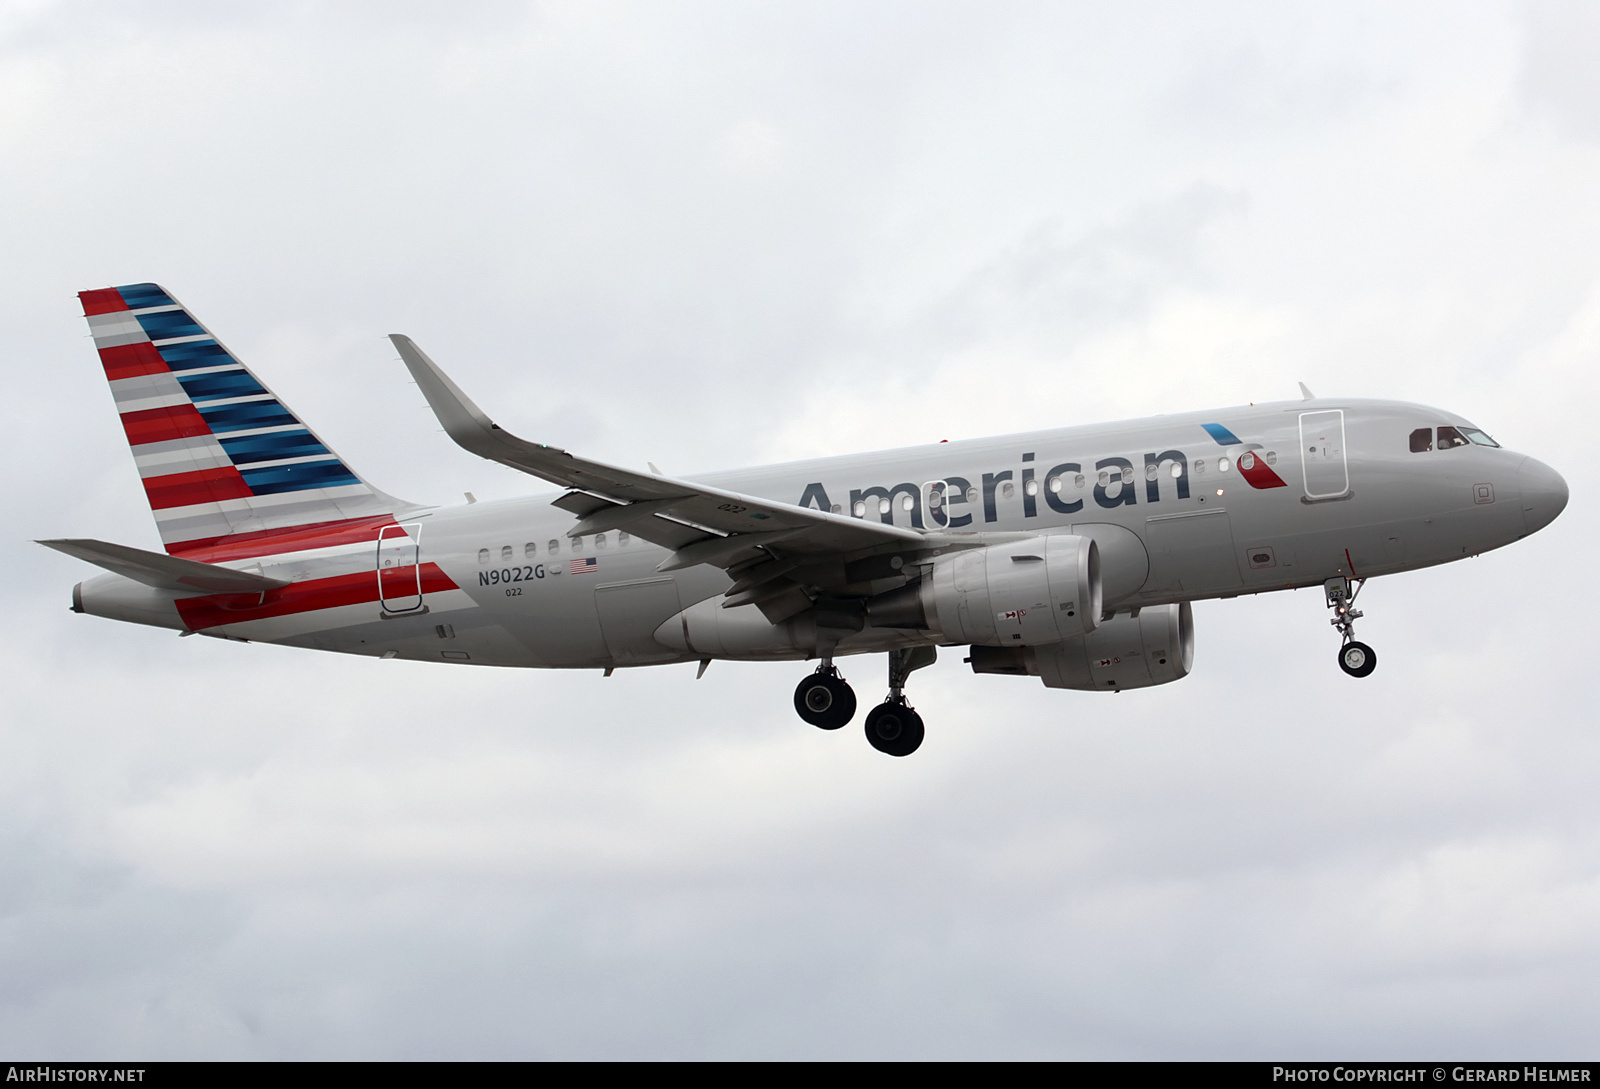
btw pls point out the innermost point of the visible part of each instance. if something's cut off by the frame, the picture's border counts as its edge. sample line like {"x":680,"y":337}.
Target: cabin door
{"x":1322,"y":453}
{"x":399,"y":573}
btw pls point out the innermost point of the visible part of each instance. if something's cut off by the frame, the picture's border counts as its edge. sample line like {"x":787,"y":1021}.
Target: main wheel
{"x":1357,"y":659}
{"x":894,"y":728}
{"x":825,"y":700}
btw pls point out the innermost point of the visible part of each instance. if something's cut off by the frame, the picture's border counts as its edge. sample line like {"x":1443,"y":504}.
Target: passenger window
{"x":577,"y":544}
{"x":530,"y":550}
{"x":1422,"y":440}
{"x":555,"y":547}
{"x":1449,"y":436}
{"x":505,"y":554}
{"x":599,"y":540}
{"x":622,"y":536}
{"x":483,"y":555}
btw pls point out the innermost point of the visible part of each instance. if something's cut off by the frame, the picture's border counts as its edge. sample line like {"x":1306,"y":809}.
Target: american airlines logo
{"x":1111,"y":482}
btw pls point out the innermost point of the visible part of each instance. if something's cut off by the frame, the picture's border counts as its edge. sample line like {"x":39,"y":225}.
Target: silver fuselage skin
{"x":1190,"y":530}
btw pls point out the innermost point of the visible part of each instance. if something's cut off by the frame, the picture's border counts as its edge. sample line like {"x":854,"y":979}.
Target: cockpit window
{"x":1449,"y":437}
{"x":1422,"y":440}
{"x":1478,"y":437}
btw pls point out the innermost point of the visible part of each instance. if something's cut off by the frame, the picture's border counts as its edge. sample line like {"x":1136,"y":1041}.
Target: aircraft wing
{"x":700,"y":524}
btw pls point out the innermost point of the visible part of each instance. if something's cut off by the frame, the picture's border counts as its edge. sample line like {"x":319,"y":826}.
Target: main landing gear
{"x":892,"y":726}
{"x":1355,"y":658}
{"x":824,"y":699}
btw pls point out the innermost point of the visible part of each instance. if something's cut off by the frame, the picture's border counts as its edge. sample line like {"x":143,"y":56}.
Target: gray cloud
{"x":669,"y":233}
{"x":1558,"y":82}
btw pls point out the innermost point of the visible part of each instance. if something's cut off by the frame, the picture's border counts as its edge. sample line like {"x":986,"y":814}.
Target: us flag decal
{"x":586,"y":566}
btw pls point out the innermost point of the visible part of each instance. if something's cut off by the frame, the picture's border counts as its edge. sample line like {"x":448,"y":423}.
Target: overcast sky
{"x":713,"y":235}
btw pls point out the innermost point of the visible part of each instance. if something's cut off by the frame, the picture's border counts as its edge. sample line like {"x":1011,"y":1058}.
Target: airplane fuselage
{"x":1184,"y":507}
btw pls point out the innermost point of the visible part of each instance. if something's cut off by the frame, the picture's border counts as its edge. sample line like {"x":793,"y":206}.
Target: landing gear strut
{"x":1356,"y":659}
{"x":892,"y":726}
{"x":824,"y":699}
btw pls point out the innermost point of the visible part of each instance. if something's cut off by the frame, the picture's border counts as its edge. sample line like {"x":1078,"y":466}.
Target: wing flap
{"x":667,"y":533}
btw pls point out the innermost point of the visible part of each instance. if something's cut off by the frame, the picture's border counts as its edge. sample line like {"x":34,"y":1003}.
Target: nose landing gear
{"x":1355,"y":658}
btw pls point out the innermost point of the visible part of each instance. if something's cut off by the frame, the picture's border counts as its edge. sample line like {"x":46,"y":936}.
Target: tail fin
{"x":224,"y":462}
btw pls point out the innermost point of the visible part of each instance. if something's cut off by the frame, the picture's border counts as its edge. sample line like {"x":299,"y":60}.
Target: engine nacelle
{"x":1128,"y":651}
{"x":1023,"y":594}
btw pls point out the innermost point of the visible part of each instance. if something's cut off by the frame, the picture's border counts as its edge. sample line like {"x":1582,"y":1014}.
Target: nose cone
{"x":1544,"y":494}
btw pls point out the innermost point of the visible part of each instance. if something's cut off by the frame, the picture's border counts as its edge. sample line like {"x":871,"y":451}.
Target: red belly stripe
{"x":300,"y":597}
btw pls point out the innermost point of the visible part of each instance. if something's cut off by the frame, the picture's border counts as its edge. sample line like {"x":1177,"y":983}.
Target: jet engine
{"x":1137,"y":649}
{"x":1021,"y":594}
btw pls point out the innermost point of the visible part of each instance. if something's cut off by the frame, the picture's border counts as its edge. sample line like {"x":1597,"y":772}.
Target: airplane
{"x":1071,"y":555}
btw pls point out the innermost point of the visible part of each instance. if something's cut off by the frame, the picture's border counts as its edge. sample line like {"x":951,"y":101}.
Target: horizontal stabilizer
{"x":164,"y":572}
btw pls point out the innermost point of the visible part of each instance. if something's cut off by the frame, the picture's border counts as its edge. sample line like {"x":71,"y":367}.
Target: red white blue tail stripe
{"x":220,"y":455}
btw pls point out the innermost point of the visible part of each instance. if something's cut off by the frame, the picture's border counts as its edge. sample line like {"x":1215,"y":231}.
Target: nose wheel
{"x":824,"y":699}
{"x":1355,"y":658}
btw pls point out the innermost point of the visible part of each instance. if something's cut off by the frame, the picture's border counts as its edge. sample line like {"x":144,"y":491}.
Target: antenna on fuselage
{"x":1306,"y":394}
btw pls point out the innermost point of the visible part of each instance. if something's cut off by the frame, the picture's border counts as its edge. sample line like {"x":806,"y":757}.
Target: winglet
{"x":463,"y":421}
{"x":1305,"y":393}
